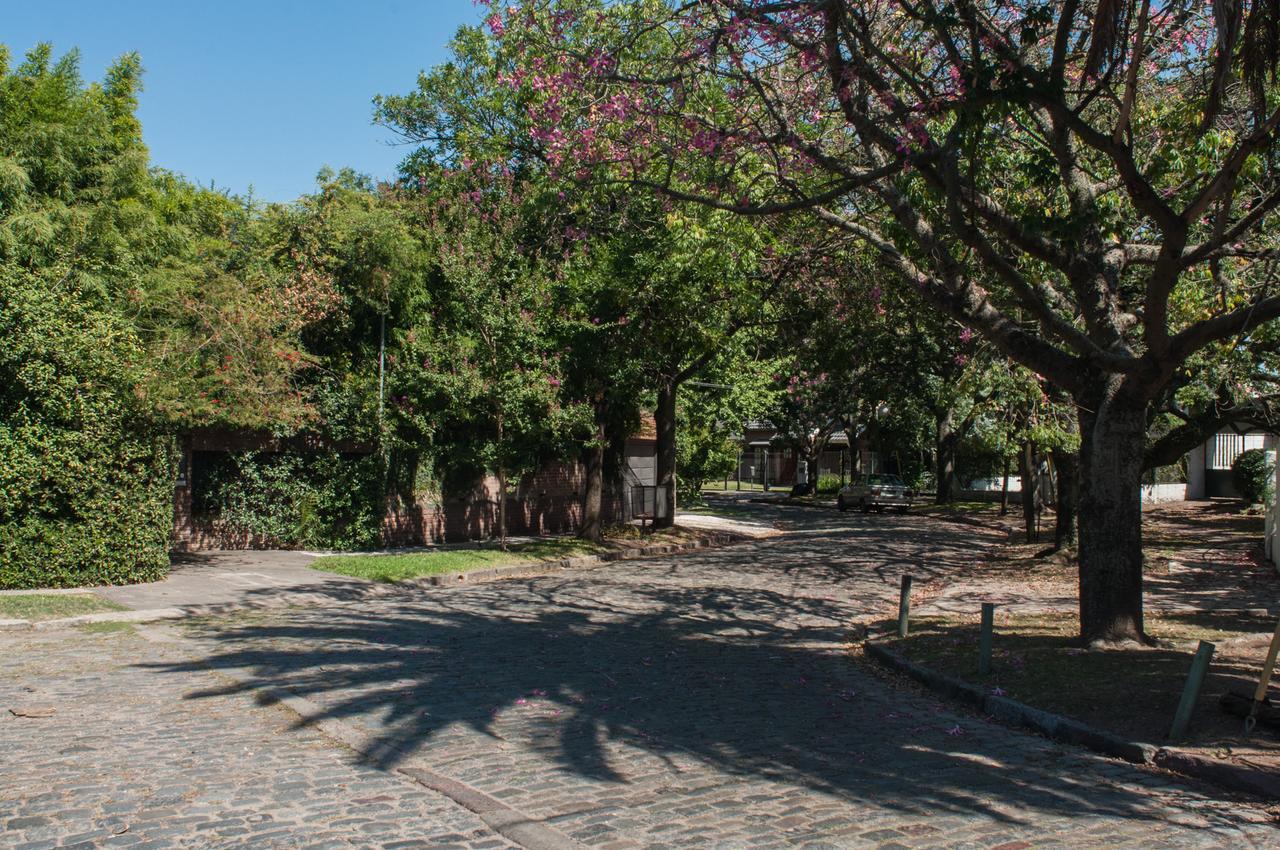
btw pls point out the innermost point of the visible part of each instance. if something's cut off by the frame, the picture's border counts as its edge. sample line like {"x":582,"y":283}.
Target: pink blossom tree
{"x":1089,"y":185}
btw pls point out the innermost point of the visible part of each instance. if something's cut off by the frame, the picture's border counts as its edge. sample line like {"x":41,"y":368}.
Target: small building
{"x":1209,"y":464}
{"x":765,"y":459}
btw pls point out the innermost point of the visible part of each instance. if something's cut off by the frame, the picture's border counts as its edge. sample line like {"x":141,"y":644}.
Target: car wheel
{"x":840,"y":503}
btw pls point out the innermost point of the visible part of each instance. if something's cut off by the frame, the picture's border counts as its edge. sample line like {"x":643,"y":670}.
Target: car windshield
{"x":884,"y":480}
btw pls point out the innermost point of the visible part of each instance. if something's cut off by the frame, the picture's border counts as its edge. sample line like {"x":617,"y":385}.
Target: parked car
{"x":878,"y":490}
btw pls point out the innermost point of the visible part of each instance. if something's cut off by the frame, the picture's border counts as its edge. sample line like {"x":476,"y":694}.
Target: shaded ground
{"x":1131,"y":692}
{"x":1204,"y":579}
{"x":257,"y":578}
{"x":706,"y":700}
{"x":127,"y":760}
{"x":1201,"y":556}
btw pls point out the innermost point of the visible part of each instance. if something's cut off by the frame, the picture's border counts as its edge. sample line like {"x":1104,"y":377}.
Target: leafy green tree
{"x":1088,"y":186}
{"x":482,"y":375}
{"x":665,"y":286}
{"x":85,"y":476}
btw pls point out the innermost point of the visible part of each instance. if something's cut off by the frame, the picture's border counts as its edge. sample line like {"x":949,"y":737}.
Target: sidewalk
{"x":232,"y":578}
{"x":219,"y":581}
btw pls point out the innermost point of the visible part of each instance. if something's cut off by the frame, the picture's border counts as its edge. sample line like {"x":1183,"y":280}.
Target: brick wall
{"x":547,"y":502}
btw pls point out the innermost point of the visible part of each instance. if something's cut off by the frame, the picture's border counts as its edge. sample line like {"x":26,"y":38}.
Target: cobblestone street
{"x":703,"y":700}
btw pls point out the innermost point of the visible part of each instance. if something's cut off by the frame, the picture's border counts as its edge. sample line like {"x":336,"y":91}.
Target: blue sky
{"x":254,"y":93}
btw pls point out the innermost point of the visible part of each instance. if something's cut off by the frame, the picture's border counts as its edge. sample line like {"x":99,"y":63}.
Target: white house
{"x":1209,"y":465}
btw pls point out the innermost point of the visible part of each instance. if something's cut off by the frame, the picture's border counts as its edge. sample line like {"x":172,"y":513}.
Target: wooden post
{"x":1260,"y":693}
{"x":904,"y":605}
{"x":984,"y":638}
{"x":1191,"y":691}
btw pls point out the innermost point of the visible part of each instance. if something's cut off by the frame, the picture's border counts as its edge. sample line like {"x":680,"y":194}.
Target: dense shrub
{"x":325,"y":500}
{"x":86,"y":474}
{"x":1254,"y":476}
{"x":828,"y":485}
{"x":86,"y":486}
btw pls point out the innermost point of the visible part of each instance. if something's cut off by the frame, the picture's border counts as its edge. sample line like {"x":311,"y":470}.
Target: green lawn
{"x":717,"y":486}
{"x":401,"y":567}
{"x":52,"y":606}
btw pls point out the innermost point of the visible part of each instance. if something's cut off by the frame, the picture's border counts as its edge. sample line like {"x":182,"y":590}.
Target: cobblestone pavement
{"x":128,"y":761}
{"x":705,"y":700}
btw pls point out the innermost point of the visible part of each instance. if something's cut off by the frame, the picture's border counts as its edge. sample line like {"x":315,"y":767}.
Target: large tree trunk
{"x":1004,"y":488}
{"x":593,"y":489}
{"x":945,"y":446}
{"x":664,"y":417}
{"x":1027,"y":472}
{"x":1067,"y":466}
{"x":855,"y":452}
{"x":1112,"y":438}
{"x":502,"y":508}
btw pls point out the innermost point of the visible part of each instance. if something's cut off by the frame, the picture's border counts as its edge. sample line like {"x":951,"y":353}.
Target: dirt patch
{"x":1200,"y":556}
{"x":1131,"y":692}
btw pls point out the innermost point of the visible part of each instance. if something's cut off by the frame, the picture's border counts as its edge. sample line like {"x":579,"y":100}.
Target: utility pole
{"x":382,"y":364}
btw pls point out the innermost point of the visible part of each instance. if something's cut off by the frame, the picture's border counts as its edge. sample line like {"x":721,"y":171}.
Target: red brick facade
{"x":547,"y":502}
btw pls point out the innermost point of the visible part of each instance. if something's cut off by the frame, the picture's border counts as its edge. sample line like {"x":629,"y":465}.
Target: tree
{"x":1081,"y":184}
{"x":483,"y":376}
{"x":664,"y":286}
{"x":85,"y":473}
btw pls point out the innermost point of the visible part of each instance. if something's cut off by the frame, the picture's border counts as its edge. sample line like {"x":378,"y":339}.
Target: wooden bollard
{"x":984,"y":638}
{"x":1191,"y":691}
{"x":904,"y":606}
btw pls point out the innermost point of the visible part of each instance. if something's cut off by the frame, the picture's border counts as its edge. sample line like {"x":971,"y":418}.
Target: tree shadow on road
{"x":618,"y":679}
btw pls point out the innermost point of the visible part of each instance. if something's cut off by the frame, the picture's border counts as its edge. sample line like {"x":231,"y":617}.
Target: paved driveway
{"x":705,"y":700}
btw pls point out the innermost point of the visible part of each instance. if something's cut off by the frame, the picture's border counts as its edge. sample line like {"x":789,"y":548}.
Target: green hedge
{"x":324,"y":500}
{"x":86,"y":486}
{"x":828,"y":485}
{"x":1254,"y":476}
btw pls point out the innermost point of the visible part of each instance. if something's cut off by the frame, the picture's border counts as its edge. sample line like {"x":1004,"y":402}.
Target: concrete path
{"x":258,"y":578}
{"x":705,"y":700}
{"x":238,"y":578}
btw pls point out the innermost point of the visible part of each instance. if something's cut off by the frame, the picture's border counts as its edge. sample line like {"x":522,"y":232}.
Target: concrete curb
{"x":1232,"y":776}
{"x":798,"y":503}
{"x":374,"y":589}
